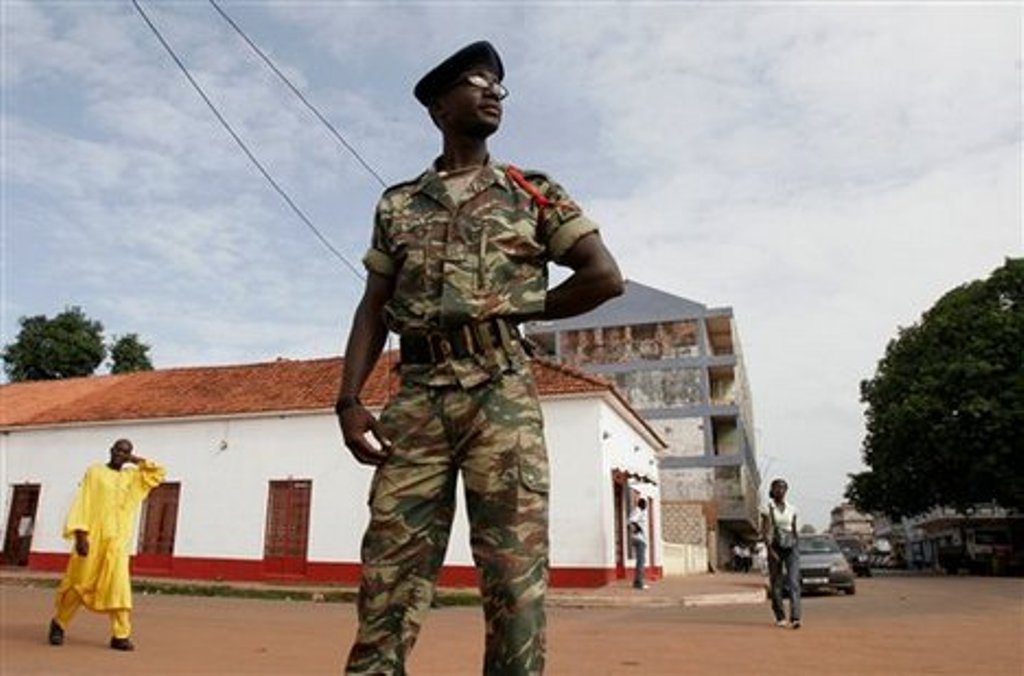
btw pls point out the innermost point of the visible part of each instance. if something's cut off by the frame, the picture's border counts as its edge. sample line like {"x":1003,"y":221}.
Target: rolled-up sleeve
{"x":377,"y":261}
{"x":568,"y":234}
{"x":564,"y":222}
{"x":378,"y":257}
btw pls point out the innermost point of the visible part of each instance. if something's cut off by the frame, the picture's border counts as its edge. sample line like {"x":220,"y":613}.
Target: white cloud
{"x":811,"y":94}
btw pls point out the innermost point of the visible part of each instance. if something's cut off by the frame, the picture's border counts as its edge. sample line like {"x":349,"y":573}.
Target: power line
{"x":266,"y":59}
{"x":220,"y":118}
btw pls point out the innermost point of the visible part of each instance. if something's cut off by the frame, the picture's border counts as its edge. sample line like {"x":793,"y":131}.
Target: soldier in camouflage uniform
{"x":458,"y":258}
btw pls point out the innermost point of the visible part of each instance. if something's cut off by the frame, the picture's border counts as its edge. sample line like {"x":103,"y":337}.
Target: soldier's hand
{"x":82,"y":544}
{"x":363,"y":436}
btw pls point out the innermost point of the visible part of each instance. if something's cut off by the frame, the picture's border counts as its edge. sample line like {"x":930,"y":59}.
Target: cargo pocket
{"x":411,"y":278}
{"x":531,"y":512}
{"x":520,"y":391}
{"x":533,"y":458}
{"x":533,"y":474}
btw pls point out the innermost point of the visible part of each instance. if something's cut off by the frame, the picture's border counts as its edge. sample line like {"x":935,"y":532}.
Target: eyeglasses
{"x":480,"y":82}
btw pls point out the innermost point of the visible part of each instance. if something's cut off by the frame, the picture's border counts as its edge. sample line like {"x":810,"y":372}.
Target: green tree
{"x":807,"y":529}
{"x":129,"y":354}
{"x":945,"y":409}
{"x":68,"y":345}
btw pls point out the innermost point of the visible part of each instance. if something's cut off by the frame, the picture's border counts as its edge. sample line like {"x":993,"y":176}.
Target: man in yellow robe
{"x":101,"y":521}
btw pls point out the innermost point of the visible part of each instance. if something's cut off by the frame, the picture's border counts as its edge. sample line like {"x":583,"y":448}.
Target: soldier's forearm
{"x":367,"y":336}
{"x":595,"y":279}
{"x":580,"y":293}
{"x":364,"y":346}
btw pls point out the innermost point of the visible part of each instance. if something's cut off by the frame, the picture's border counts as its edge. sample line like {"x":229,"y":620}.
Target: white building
{"x":259,"y":485}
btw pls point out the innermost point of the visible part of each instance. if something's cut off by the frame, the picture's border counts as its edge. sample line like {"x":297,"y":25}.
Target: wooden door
{"x":287,"y":534}
{"x":618,"y":497}
{"x":159,"y":524}
{"x":20,"y":523}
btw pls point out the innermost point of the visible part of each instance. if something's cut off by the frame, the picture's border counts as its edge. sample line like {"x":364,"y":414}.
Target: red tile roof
{"x":283,"y":385}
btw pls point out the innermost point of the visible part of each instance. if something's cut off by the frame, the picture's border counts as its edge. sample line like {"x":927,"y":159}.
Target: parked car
{"x":823,"y":567}
{"x":856,"y":555}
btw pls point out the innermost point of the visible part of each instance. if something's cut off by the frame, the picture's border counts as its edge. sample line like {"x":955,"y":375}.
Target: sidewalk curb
{"x":556,"y":598}
{"x":654,"y":601}
{"x":582,"y":601}
{"x":735,"y":598}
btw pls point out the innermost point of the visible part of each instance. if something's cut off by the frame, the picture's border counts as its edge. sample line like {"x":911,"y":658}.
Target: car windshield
{"x":813,"y":545}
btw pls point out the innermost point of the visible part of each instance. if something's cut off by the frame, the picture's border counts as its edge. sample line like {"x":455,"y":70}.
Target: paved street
{"x":895,"y":624}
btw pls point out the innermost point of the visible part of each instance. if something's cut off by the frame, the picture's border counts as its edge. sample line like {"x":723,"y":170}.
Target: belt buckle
{"x":440,"y":347}
{"x":505,"y":335}
{"x":470,"y":338}
{"x":485,"y":337}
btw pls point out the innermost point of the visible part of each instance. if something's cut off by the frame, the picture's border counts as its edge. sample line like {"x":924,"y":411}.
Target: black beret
{"x":441,"y":78}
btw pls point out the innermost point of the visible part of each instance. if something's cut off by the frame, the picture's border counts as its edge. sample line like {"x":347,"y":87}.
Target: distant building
{"x":679,"y":364}
{"x":259,"y":485}
{"x":984,"y":539}
{"x":847,"y":521}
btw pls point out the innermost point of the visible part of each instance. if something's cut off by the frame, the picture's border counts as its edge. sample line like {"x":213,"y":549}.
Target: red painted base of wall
{"x":255,"y":570}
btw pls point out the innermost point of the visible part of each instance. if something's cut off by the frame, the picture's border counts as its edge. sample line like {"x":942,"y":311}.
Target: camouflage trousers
{"x":493,"y":435}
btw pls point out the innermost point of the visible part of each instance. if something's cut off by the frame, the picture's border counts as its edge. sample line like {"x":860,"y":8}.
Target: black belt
{"x":465,"y":341}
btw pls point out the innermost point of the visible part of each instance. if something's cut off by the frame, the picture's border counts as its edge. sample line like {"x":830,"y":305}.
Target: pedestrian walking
{"x":458,"y":258}
{"x":780,"y":535}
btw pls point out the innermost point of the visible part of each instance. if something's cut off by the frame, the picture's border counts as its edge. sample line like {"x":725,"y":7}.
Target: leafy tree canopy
{"x":128,"y":354}
{"x":945,"y":409}
{"x":66,"y":346}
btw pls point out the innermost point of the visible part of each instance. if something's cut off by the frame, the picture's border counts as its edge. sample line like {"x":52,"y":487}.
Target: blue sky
{"x":828,"y":170}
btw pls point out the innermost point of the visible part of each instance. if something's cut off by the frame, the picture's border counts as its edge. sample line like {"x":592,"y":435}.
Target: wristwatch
{"x":346,"y":402}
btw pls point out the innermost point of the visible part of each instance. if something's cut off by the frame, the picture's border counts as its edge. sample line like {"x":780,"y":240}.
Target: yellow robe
{"x":105,"y":507}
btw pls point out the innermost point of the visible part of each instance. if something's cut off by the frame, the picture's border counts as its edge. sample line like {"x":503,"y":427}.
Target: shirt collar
{"x":491,"y":173}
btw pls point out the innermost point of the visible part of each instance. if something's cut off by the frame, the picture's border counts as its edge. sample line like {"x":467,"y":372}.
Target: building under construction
{"x":679,"y":364}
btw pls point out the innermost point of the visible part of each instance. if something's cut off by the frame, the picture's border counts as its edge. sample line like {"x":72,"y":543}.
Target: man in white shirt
{"x":761,"y":557}
{"x":638,"y":539}
{"x":779,"y":532}
{"x":737,"y":558}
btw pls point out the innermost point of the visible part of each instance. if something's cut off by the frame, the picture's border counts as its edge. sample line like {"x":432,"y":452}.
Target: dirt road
{"x":894,"y":625}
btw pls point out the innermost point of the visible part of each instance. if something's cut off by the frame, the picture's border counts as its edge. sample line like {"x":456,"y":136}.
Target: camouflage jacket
{"x":484,"y":257}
